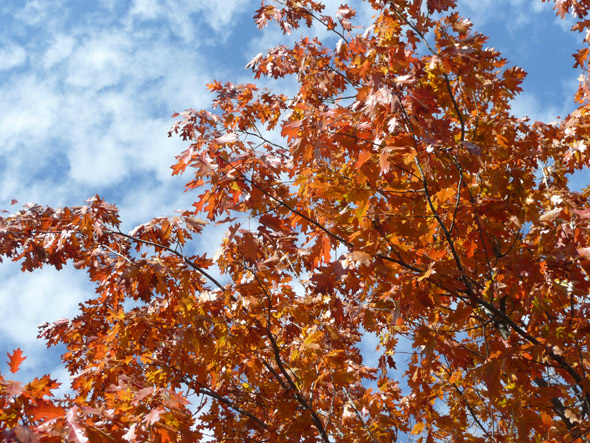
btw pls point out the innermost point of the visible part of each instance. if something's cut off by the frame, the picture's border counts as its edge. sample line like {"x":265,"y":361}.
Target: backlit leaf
{"x":15,"y":359}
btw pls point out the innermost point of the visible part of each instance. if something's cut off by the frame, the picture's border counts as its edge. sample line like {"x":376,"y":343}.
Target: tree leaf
{"x":418,"y":428}
{"x":15,"y":359}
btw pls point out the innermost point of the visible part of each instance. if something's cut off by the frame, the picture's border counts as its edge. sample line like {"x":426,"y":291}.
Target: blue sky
{"x":88,"y":88}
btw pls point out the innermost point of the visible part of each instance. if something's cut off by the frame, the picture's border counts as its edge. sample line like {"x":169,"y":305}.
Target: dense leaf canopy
{"x":393,"y":194}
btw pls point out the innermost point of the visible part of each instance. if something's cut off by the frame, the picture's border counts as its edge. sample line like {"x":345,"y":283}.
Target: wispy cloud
{"x":514,"y":13}
{"x":11,"y":55}
{"x":95,"y":101}
{"x":26,"y":302}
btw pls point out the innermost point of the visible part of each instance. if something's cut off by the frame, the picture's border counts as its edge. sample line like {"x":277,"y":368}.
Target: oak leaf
{"x":15,"y":359}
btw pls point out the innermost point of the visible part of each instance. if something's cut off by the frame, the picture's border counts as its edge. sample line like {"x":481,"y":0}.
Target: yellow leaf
{"x":311,"y":341}
{"x":428,"y":272}
{"x":445,"y":194}
{"x":418,"y":427}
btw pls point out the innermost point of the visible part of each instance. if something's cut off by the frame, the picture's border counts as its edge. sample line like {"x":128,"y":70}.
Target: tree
{"x":402,"y":199}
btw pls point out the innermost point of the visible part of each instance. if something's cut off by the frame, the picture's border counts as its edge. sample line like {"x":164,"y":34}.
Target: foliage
{"x":402,"y":200}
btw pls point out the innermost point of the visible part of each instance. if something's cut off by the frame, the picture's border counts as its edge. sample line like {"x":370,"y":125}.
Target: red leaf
{"x":363,"y":157}
{"x":581,"y":56}
{"x":439,"y":5}
{"x":15,"y":360}
{"x":46,"y":410}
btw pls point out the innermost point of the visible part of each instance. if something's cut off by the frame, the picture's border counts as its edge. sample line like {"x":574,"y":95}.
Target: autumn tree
{"x":401,"y":198}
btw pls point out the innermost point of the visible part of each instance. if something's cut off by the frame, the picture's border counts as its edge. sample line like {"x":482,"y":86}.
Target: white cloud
{"x":187,"y":19}
{"x":29,"y":110}
{"x":102,"y":166}
{"x":11,"y":56}
{"x":108,"y":4}
{"x":41,"y":12}
{"x":27,"y":301}
{"x":146,"y":9}
{"x":95,"y":102}
{"x":59,"y":50}
{"x":100,"y":62}
{"x":512,"y":13}
{"x":528,"y":105}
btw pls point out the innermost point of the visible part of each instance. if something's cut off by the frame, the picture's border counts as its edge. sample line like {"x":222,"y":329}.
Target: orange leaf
{"x":15,"y":360}
{"x":418,"y":427}
{"x":46,"y":410}
{"x":363,"y":157}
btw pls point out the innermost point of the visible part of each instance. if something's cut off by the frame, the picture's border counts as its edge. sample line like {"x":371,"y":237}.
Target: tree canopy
{"x":393,"y":194}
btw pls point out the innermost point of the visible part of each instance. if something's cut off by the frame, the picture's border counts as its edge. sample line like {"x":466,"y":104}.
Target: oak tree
{"x":393,"y":194}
